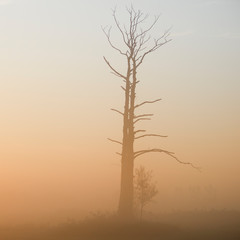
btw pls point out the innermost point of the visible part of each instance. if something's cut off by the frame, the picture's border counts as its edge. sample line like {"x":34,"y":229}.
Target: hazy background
{"x":56,"y":92}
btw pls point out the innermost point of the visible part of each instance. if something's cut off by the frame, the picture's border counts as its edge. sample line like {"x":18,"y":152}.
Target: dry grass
{"x":194,"y":225}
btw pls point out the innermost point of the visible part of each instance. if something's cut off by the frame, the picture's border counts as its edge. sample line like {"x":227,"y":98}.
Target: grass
{"x":182,"y":225}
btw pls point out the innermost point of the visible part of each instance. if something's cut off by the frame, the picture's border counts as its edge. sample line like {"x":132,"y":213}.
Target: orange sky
{"x":56,"y":92}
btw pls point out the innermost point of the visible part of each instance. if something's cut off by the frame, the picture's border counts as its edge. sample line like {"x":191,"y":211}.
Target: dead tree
{"x":138,"y":45}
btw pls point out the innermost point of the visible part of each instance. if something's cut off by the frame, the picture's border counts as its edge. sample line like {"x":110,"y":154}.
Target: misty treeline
{"x":138,"y":44}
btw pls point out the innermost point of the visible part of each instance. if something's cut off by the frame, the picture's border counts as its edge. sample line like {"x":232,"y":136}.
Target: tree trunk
{"x":126,"y":193}
{"x":141,"y":212}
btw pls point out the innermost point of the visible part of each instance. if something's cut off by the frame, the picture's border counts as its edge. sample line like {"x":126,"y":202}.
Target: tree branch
{"x":117,"y":75}
{"x":149,"y":135}
{"x":141,"y":152}
{"x":149,"y":28}
{"x":140,"y":119}
{"x":157,"y":44}
{"x":114,"y":70}
{"x":171,"y":154}
{"x":123,"y":88}
{"x":119,"y":28}
{"x":139,"y":131}
{"x":107,"y":34}
{"x":157,"y":100}
{"x":115,"y":110}
{"x":115,"y":141}
{"x":144,"y":115}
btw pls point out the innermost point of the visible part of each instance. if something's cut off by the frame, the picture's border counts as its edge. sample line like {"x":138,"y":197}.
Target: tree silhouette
{"x":145,"y":189}
{"x":138,"y":45}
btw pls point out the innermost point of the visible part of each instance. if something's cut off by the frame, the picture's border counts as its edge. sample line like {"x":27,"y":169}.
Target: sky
{"x":56,"y":93}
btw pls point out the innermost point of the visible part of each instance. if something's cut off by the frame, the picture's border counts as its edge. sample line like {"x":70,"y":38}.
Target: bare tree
{"x":138,"y":45}
{"x":145,"y":189}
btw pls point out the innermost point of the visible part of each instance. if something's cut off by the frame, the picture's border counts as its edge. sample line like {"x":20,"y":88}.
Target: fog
{"x":61,"y":175}
{"x":42,"y":191}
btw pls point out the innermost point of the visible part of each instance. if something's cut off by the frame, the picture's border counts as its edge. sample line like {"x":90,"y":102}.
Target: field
{"x":180,"y":225}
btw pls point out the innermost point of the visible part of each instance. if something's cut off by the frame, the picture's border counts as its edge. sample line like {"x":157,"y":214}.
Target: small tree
{"x":145,"y":189}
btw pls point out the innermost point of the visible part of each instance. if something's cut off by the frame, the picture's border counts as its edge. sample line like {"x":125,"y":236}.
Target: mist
{"x":85,"y":103}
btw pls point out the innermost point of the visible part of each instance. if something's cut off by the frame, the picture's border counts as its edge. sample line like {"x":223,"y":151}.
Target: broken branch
{"x":144,"y":115}
{"x":115,"y":110}
{"x":157,"y":100}
{"x":140,"y":119}
{"x":150,"y":135}
{"x":139,"y":131}
{"x":115,"y":141}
